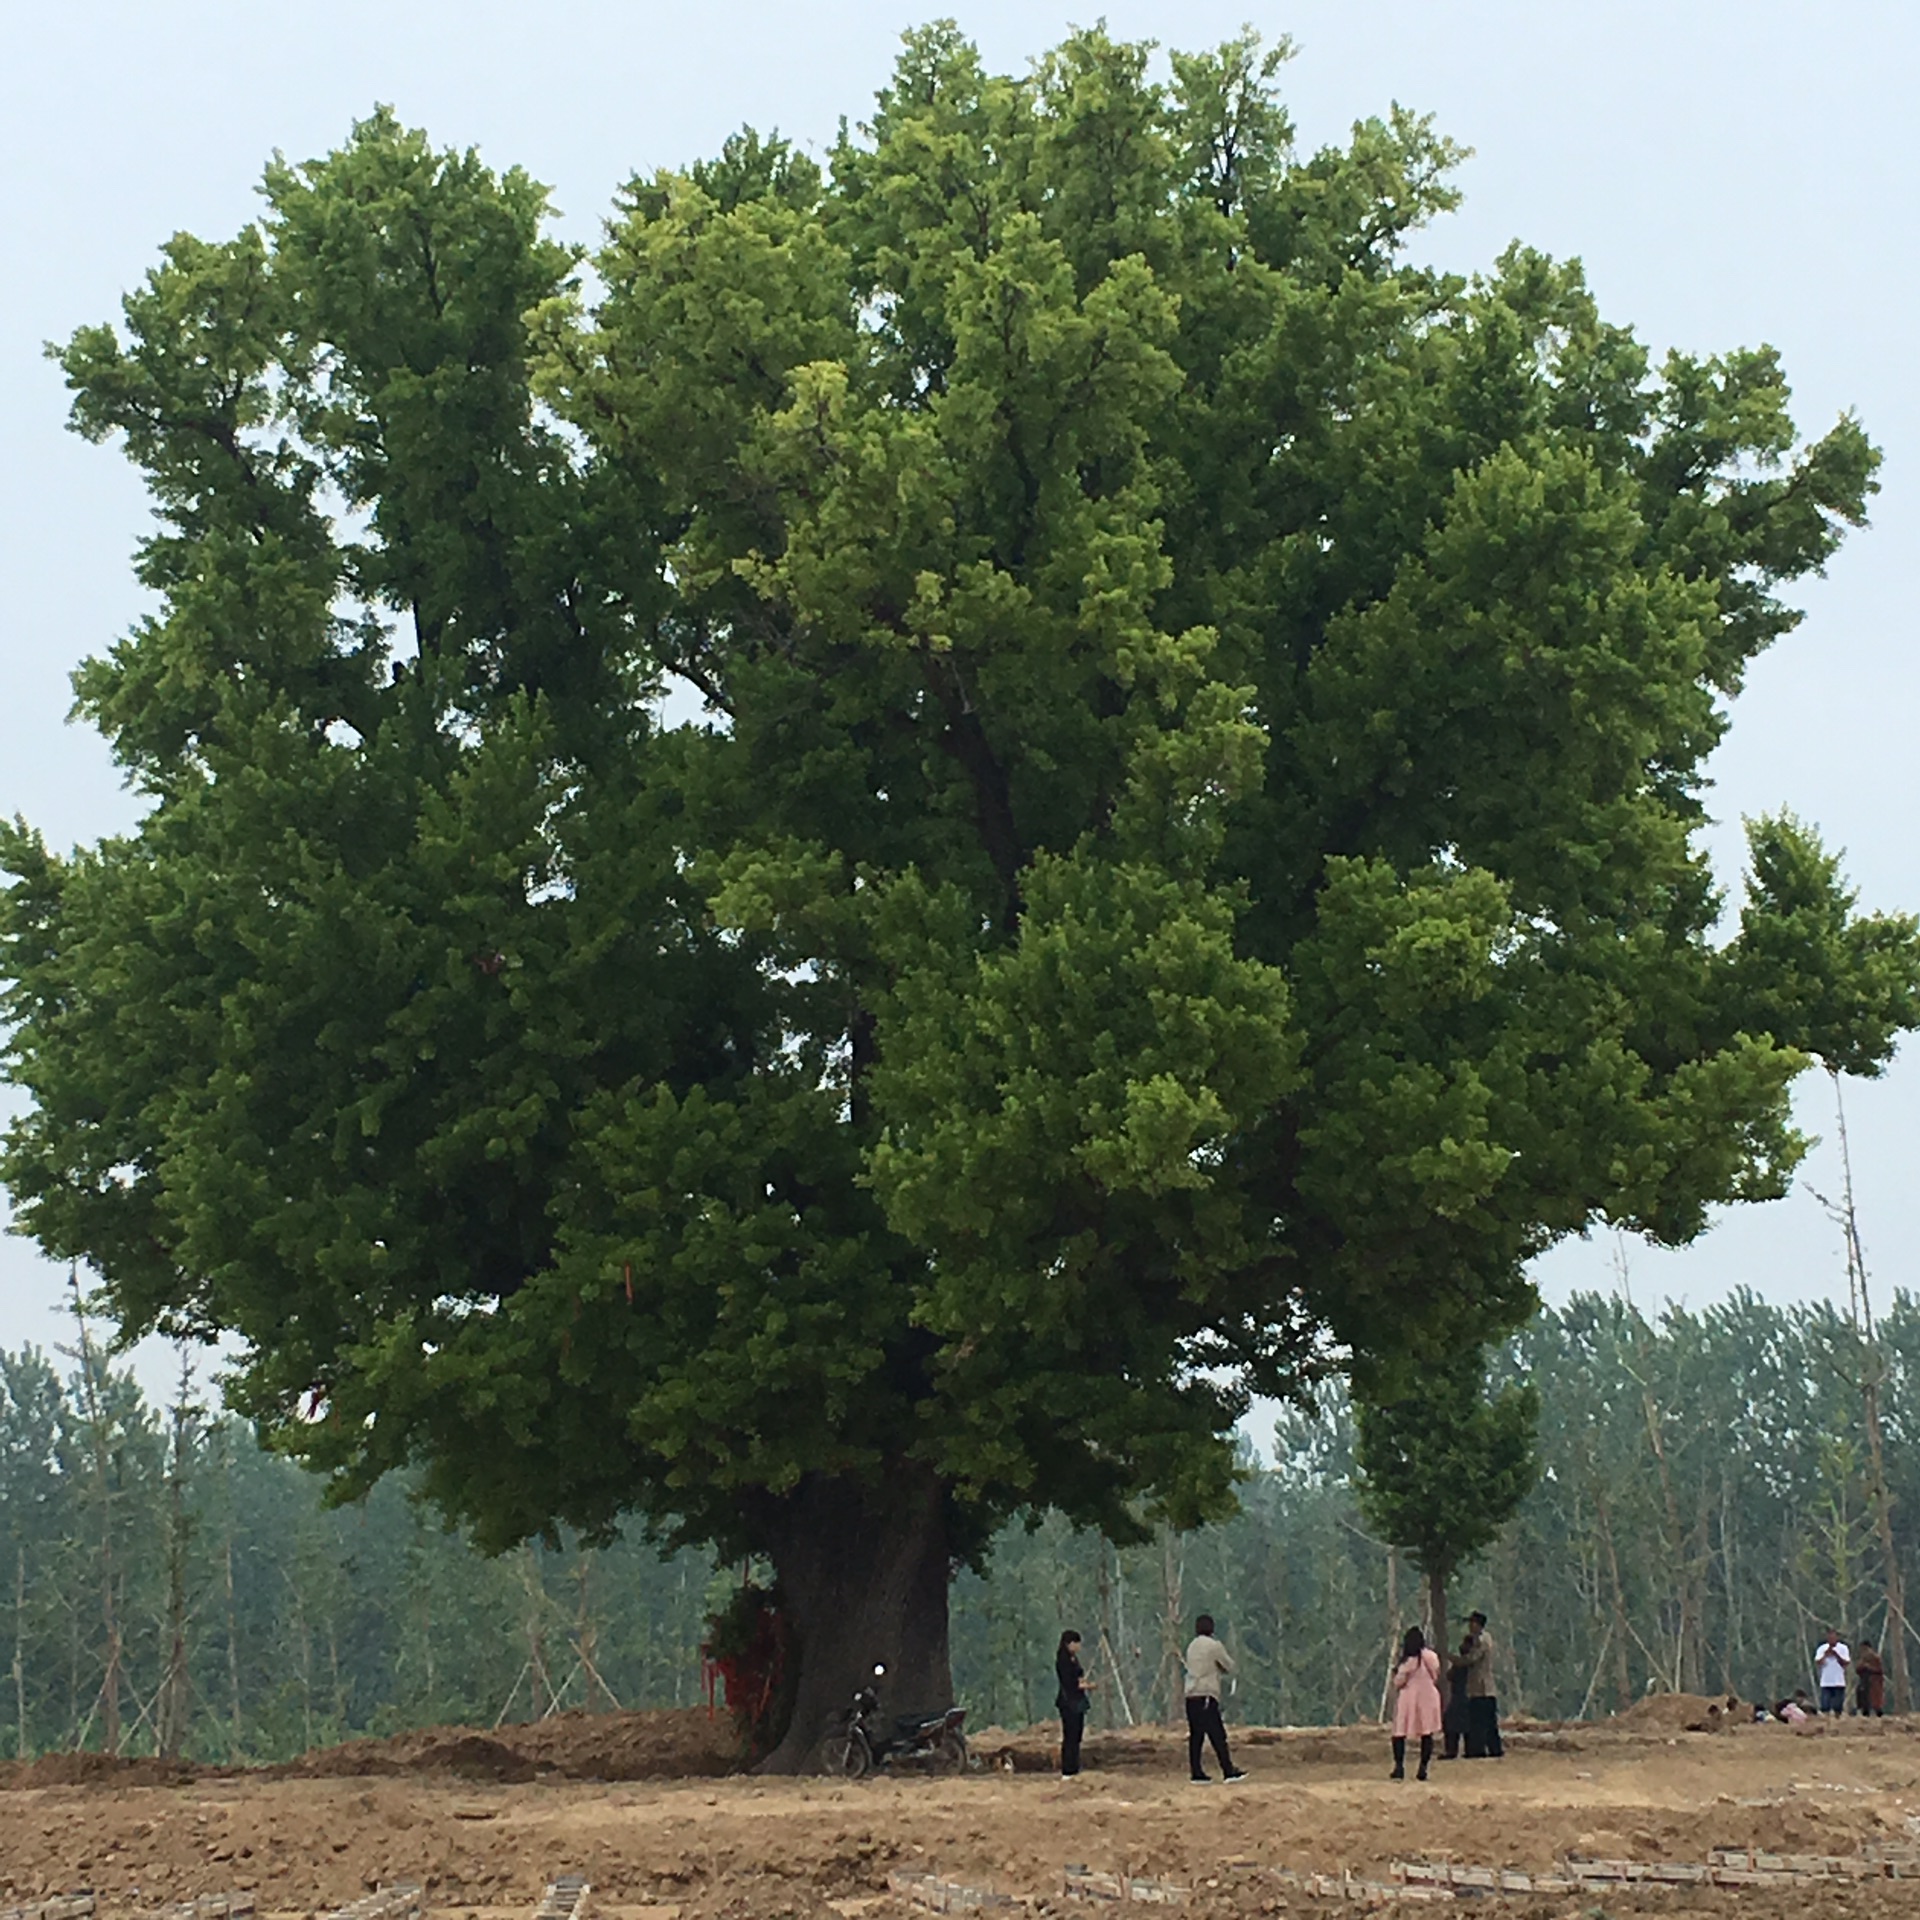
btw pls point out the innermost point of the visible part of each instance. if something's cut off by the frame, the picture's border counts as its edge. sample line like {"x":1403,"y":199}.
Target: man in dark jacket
{"x":1454,"y":1725}
{"x":1483,"y":1708}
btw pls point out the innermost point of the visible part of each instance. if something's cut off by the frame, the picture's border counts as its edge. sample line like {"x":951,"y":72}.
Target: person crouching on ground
{"x":1206,"y":1662}
{"x":1072,"y":1701}
{"x":1416,"y":1702}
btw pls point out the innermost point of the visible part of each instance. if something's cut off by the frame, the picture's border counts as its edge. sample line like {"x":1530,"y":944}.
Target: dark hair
{"x":1204,"y":1624}
{"x":1414,"y":1645}
{"x":1068,"y":1639}
{"x":1477,"y":1619}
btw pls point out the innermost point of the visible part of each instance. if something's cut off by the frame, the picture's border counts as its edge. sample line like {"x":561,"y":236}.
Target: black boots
{"x":1399,"y":1759}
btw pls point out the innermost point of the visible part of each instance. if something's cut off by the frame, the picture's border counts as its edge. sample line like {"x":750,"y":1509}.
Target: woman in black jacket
{"x":1072,"y":1702}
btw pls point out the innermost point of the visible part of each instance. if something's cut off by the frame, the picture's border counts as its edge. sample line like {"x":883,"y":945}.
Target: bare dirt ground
{"x":644,"y":1806}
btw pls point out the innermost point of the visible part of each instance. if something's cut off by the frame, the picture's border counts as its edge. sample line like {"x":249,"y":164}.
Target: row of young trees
{"x":1704,"y":1504}
{"x":171,"y":1587}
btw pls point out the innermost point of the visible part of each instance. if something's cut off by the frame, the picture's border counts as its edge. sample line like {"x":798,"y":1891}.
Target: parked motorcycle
{"x":858,"y":1740}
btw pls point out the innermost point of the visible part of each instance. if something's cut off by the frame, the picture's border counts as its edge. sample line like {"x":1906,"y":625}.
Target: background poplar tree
{"x":1443,"y":1470}
{"x":1187,"y":872}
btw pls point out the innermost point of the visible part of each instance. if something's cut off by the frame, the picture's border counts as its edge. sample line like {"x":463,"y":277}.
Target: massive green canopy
{"x":1185,"y":869}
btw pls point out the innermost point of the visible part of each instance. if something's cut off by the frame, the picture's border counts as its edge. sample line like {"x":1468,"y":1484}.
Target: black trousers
{"x":1483,"y":1728}
{"x":1454,"y":1724}
{"x":1204,"y":1724}
{"x":1073,"y":1723}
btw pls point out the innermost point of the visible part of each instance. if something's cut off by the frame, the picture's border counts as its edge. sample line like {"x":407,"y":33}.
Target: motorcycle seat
{"x":914,"y":1722}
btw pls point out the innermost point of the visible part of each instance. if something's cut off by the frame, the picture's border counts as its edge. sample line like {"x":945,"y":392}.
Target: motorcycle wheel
{"x":844,"y":1755}
{"x":949,"y":1752}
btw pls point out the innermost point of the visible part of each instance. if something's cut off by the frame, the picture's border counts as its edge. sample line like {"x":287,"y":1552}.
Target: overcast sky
{"x":1731,"y":171}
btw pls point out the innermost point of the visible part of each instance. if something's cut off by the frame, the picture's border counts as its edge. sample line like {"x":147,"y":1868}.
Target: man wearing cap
{"x":1483,"y":1708}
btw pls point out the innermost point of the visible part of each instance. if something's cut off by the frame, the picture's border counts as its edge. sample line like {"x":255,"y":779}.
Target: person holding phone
{"x":1831,"y":1659}
{"x":1072,"y":1701}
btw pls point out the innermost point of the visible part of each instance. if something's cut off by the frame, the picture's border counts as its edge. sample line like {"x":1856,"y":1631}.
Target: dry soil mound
{"x":91,"y":1769}
{"x":669,"y":1743}
{"x":1681,"y":1713}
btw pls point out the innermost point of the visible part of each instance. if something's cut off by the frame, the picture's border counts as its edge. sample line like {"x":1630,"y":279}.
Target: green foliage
{"x":1187,"y":873}
{"x":1443,"y":1470}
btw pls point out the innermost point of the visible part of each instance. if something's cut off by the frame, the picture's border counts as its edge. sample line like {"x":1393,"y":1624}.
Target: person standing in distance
{"x":1072,"y":1701}
{"x":1206,"y":1662}
{"x":1455,"y":1718}
{"x":1483,"y":1707}
{"x":1416,"y":1702}
{"x":1869,"y":1682}
{"x":1831,"y":1659}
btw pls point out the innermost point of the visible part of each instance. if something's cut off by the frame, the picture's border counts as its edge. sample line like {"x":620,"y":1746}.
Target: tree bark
{"x":1437,"y":1609}
{"x":1872,"y":1372}
{"x":1896,"y":1633}
{"x":1622,"y":1682}
{"x":864,"y":1573}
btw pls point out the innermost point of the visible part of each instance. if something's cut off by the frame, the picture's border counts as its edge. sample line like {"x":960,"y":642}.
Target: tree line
{"x":1703,"y":1508}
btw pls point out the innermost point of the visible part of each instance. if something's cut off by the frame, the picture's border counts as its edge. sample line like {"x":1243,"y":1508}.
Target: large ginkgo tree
{"x":1184,"y":868}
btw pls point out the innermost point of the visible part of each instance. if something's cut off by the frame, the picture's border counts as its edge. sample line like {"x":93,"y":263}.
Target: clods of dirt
{"x":760,"y":1896}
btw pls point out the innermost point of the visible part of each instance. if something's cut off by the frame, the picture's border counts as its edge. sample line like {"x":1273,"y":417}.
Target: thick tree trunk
{"x":864,"y":1572}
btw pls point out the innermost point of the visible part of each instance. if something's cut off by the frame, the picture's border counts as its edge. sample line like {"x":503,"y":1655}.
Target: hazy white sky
{"x":1731,"y":171}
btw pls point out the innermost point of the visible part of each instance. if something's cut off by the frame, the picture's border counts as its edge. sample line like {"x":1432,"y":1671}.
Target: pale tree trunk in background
{"x":1872,"y":1372}
{"x":540,"y":1678}
{"x":1173,"y":1618}
{"x":1622,"y":1678}
{"x":586,"y":1636}
{"x":1393,"y":1628}
{"x":1118,"y":1638}
{"x":95,"y":1414}
{"x":1676,"y":1540}
{"x":1675,"y":1543}
{"x":1103,"y":1711}
{"x":20,"y":1653}
{"x":1437,"y":1612}
{"x":233,"y":1658}
{"x":172,"y":1728}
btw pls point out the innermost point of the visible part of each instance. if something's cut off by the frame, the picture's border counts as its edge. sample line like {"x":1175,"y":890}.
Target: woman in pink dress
{"x":1416,"y":1702}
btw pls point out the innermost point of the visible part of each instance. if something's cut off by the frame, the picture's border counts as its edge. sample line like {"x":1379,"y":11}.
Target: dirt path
{"x":743,"y":1849}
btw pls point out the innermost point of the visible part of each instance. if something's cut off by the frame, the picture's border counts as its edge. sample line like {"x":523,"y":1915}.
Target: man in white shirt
{"x":1830,"y":1663}
{"x":1206,"y":1662}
